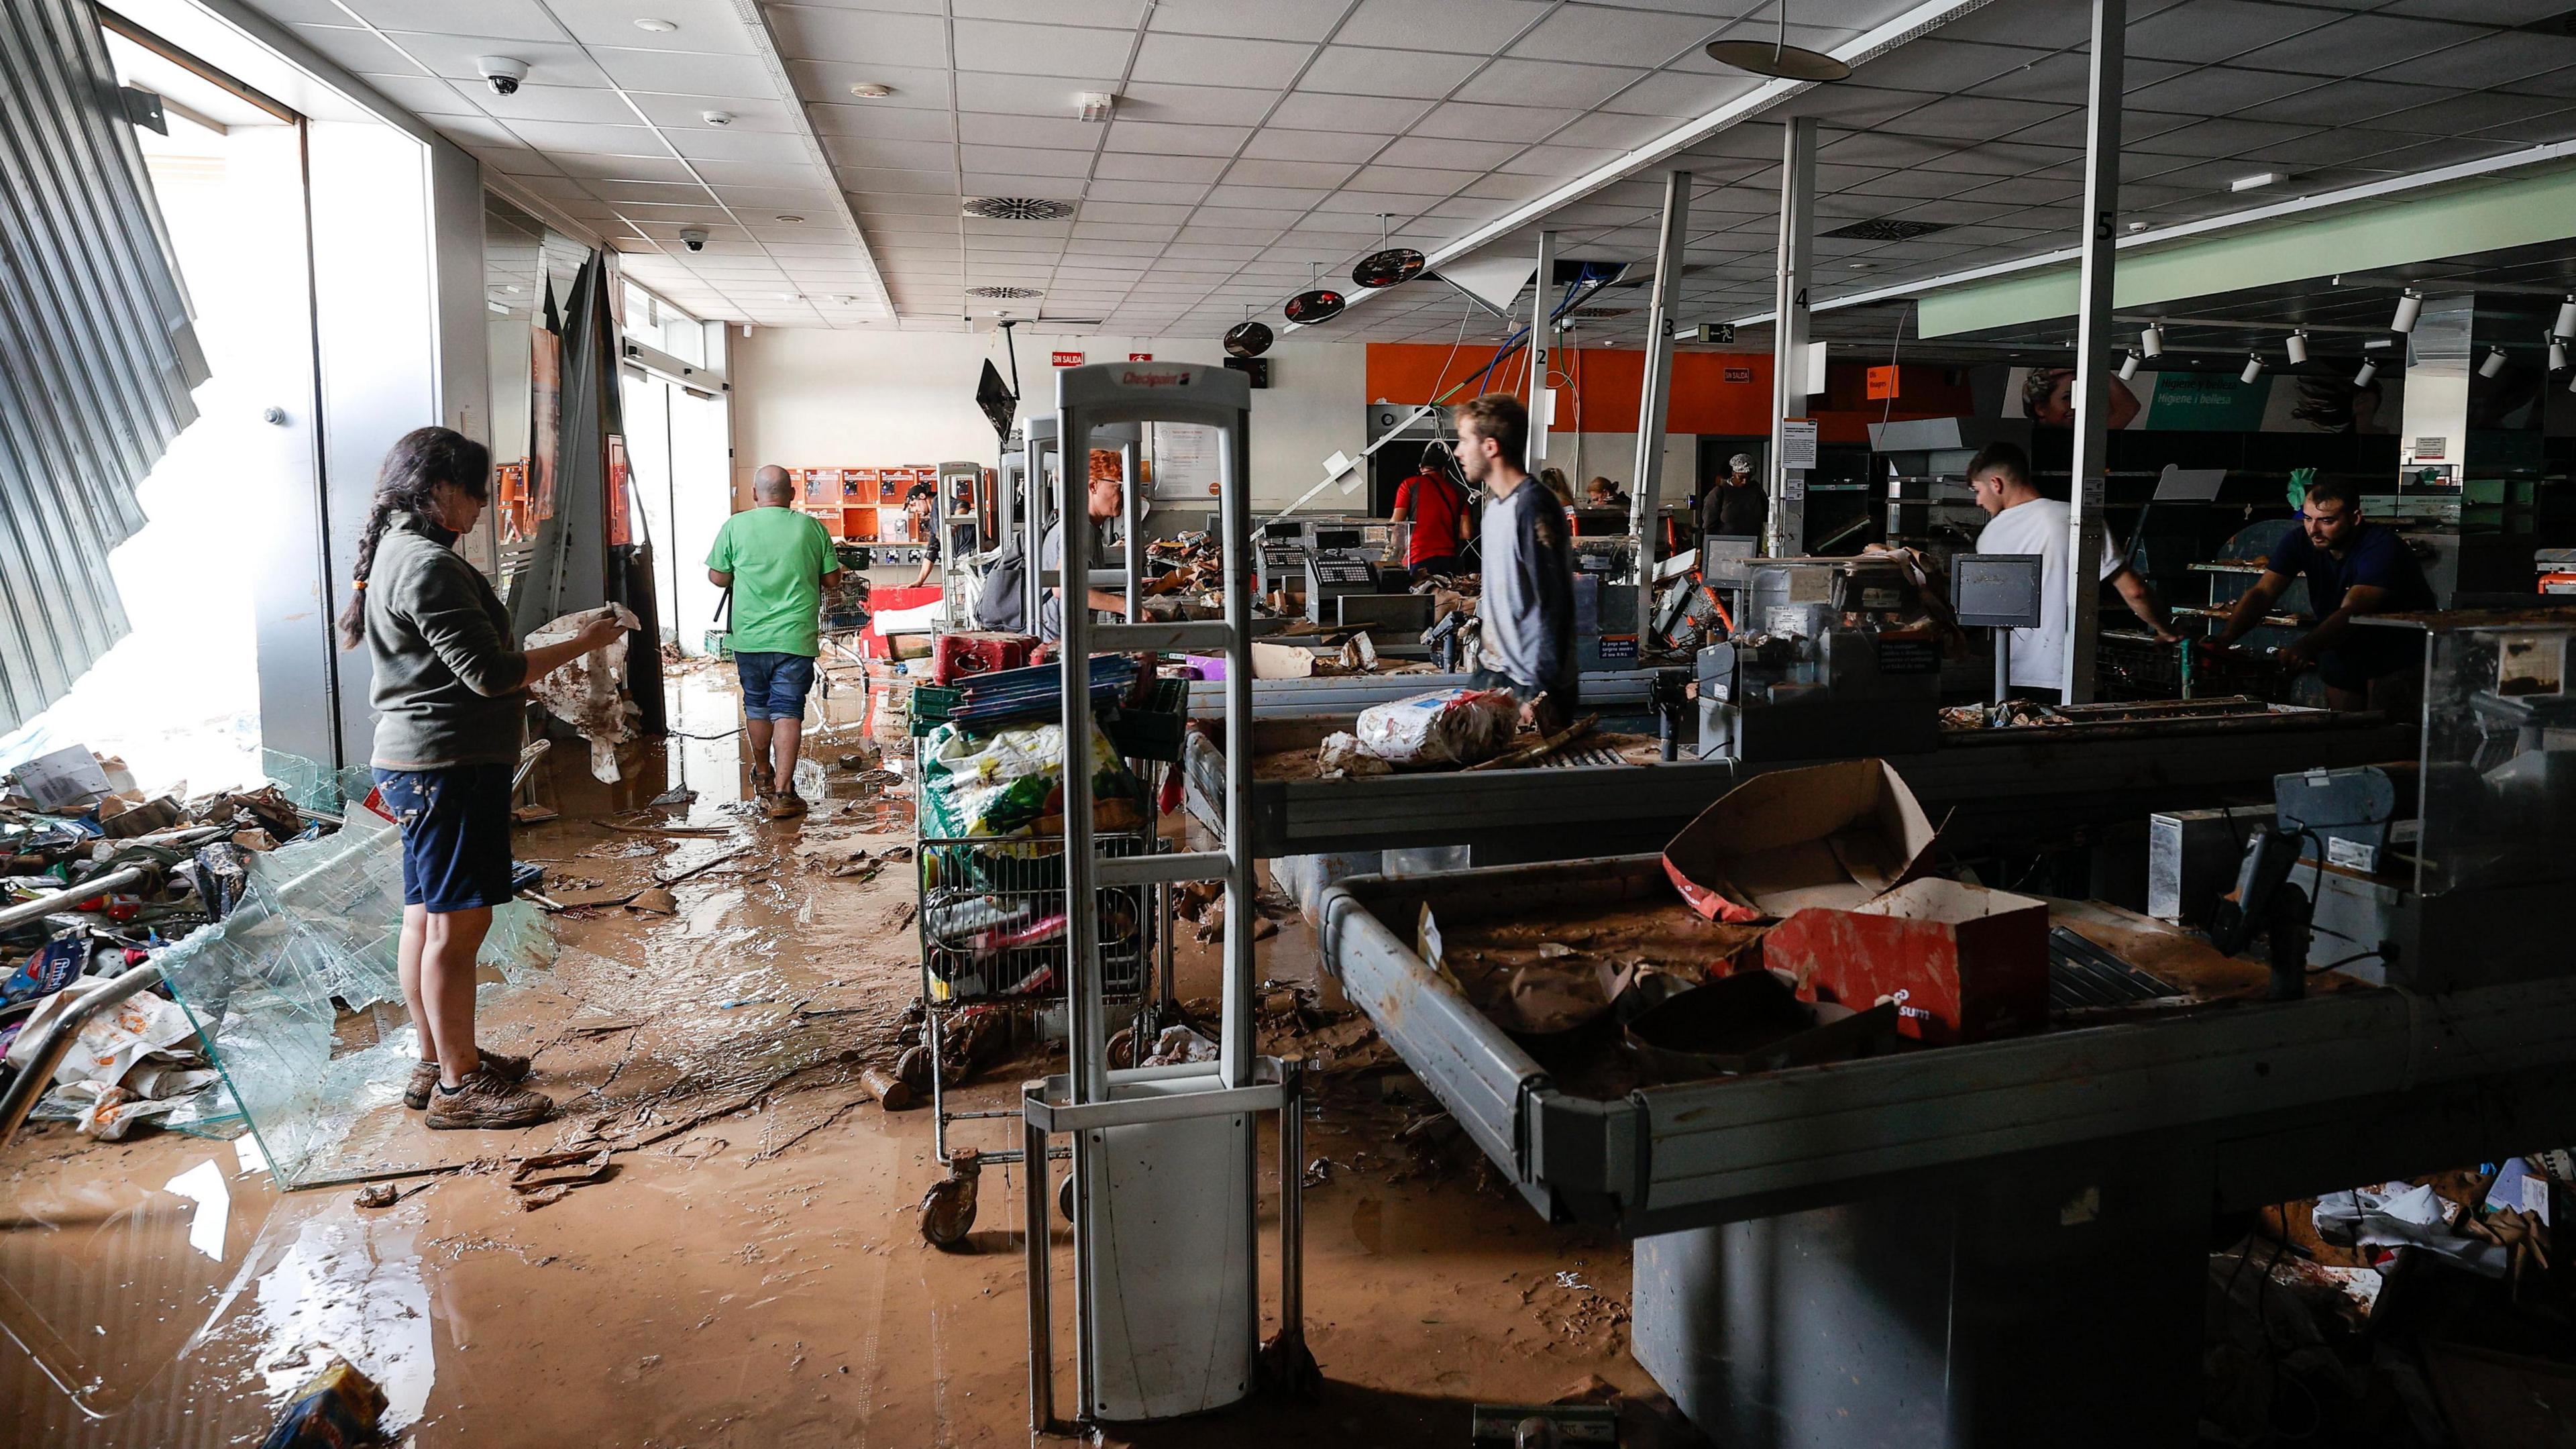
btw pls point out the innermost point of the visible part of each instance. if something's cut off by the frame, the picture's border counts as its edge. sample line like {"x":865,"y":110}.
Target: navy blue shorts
{"x":774,"y":685}
{"x":455,"y":827}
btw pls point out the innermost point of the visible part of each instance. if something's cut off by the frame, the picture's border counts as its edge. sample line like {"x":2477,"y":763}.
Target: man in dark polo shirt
{"x":2353,"y":568}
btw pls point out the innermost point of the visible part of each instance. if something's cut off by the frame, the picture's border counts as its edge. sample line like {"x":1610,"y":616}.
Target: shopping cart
{"x":991,"y":917}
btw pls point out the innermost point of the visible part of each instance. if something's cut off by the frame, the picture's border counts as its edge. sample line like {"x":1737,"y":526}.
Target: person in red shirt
{"x":1437,"y":509}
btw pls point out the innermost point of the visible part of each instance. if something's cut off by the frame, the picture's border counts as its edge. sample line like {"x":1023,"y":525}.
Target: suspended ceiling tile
{"x":1025,"y":95}
{"x":1313,"y":174}
{"x":1125,"y":166}
{"x":2216,"y":30}
{"x":1209,"y":105}
{"x":814,"y":32}
{"x":826,"y":84}
{"x":703,"y":26}
{"x":922,"y":203}
{"x":680,"y":71}
{"x":904,"y":123}
{"x":1616,"y":37}
{"x":496,"y":19}
{"x":875,"y":179}
{"x":1153,"y":137}
{"x":2350,"y":102}
{"x":712,"y":144}
{"x":1449,"y":154}
{"x":2357,"y":44}
{"x":1170,"y":191}
{"x":1026,"y":161}
{"x":688,"y":113}
{"x":1054,"y":133}
{"x":1303,"y":110}
{"x":625,"y":168}
{"x":1365,"y":71}
{"x":1308,"y":20}
{"x":1012,"y":48}
{"x":1193,"y":59}
{"x":869,"y":153}
{"x":1548,"y":83}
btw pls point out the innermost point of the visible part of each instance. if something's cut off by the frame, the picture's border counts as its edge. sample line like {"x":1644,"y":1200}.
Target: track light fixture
{"x":2565,"y":326}
{"x":2492,"y":365}
{"x":2369,"y":370}
{"x":2128,"y":366}
{"x":2298,"y":348}
{"x":2151,"y":343}
{"x":2253,"y":369}
{"x":2557,"y":354}
{"x":2410,"y":305}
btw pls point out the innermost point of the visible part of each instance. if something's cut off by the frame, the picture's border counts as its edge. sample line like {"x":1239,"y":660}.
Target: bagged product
{"x":1010,"y":781}
{"x":1442,"y":727}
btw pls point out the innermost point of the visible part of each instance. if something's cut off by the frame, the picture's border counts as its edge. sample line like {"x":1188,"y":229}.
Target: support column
{"x":1655,"y":396}
{"x":2093,"y":365}
{"x":1542,"y":355}
{"x":1785,"y":532}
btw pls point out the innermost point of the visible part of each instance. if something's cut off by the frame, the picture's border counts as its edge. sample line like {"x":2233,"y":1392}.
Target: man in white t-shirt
{"x":2021,"y":521}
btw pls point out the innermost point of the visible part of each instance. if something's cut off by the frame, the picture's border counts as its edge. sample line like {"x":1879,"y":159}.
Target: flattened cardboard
{"x":1835,"y":836}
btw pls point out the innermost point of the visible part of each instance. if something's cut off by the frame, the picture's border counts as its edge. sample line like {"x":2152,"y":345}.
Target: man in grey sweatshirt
{"x":1527,"y":607}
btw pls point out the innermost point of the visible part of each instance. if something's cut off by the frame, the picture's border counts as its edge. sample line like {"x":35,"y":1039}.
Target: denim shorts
{"x":774,"y":685}
{"x":455,"y":827}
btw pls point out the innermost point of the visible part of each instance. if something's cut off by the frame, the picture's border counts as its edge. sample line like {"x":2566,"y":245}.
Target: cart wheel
{"x":1064,"y":1198}
{"x":948,"y":1209}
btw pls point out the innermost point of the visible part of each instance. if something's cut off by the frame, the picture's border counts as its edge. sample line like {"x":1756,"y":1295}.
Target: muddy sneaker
{"x":786,"y":805}
{"x":424,"y":1076}
{"x":484,"y":1100}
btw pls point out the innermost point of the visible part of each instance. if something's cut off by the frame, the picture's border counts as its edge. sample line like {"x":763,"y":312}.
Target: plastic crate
{"x":1154,"y":730}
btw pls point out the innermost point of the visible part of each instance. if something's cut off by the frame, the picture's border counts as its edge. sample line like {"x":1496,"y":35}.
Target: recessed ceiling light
{"x":791,"y":218}
{"x":658,"y":27}
{"x":1861,"y":266}
{"x":2254,"y":182}
{"x":871,"y":91}
{"x":2137,"y":226}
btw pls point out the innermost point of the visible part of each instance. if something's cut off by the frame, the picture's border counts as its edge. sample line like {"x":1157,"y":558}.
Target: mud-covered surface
{"x":1304,"y":761}
{"x":746,"y":1269}
{"x":1547,"y":979}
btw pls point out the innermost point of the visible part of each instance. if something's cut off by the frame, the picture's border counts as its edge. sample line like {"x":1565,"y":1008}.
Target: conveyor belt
{"x":1990,"y":784}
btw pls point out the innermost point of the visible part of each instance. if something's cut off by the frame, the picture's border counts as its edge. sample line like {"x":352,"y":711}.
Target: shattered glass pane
{"x":315,"y":937}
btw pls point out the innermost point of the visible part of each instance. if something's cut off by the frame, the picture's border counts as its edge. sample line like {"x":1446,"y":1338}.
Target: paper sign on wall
{"x":1797,"y":442}
{"x":1882,"y":384}
{"x":1068,"y":359}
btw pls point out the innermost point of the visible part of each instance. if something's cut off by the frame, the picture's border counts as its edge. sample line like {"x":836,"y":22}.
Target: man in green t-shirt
{"x":777,"y":562}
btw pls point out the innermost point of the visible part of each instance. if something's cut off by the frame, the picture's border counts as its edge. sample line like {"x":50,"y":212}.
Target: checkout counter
{"x":2006,"y":1241}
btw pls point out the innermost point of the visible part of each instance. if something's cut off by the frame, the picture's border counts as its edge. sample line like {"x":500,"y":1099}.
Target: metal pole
{"x":1238,"y":1051}
{"x":2003,"y":665}
{"x":2092,"y":347}
{"x":1033,"y":527}
{"x":37,"y":1077}
{"x":1086,"y":1046}
{"x":63,"y":900}
{"x":1785,"y":529}
{"x":1034,"y":1229}
{"x":1542,"y":356}
{"x":1292,"y":1203}
{"x":1655,"y":396}
{"x":1132,"y":518}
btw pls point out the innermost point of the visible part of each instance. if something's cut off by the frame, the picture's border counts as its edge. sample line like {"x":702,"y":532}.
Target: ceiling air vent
{"x":1018,"y":208}
{"x":1002,"y":294}
{"x":1885,"y":229}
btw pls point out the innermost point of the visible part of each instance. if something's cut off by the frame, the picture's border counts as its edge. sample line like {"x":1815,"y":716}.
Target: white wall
{"x":812,"y":397}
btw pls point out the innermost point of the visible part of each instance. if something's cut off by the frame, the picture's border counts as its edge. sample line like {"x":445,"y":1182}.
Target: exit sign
{"x":1882,"y":383}
{"x":1068,"y":359}
{"x":1140,"y":357}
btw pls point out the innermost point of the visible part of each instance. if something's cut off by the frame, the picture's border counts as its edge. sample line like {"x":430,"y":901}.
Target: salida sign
{"x":1068,"y":359}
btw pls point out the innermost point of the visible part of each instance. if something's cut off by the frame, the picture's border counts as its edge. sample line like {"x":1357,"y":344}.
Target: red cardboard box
{"x":965,"y":655}
{"x":1962,"y":963}
{"x":1835,"y":835}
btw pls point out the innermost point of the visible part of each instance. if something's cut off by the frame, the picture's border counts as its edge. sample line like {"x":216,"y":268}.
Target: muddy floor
{"x":747,"y":1269}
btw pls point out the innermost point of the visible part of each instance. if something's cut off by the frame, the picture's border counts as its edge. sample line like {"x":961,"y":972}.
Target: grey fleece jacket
{"x":448,"y":673}
{"x":1528,"y":604}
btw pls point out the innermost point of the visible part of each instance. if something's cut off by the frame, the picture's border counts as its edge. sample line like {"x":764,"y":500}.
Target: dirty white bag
{"x":1456,"y":726}
{"x":1343,"y":754}
{"x":590,"y":693}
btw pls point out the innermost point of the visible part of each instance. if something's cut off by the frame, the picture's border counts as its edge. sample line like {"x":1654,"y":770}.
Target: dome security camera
{"x":694,"y":238}
{"x":501,"y":73}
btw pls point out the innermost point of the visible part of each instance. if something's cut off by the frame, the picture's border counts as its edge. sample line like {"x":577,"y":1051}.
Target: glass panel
{"x":2499,"y":757}
{"x":276,"y":985}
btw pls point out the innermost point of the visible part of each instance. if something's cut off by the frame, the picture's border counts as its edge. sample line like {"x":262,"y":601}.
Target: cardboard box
{"x":1835,"y":835}
{"x":1960,"y":962}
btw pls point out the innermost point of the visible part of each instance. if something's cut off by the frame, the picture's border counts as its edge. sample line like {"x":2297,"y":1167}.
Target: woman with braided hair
{"x":449,"y":691}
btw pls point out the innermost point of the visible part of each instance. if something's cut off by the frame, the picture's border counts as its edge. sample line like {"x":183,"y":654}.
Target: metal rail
{"x":46,"y":905}
{"x":37,"y":1076}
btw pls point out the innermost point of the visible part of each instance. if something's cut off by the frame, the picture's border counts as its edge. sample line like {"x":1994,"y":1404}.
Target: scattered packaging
{"x":1457,"y":726}
{"x":591,"y":696}
{"x":1342,"y":754}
